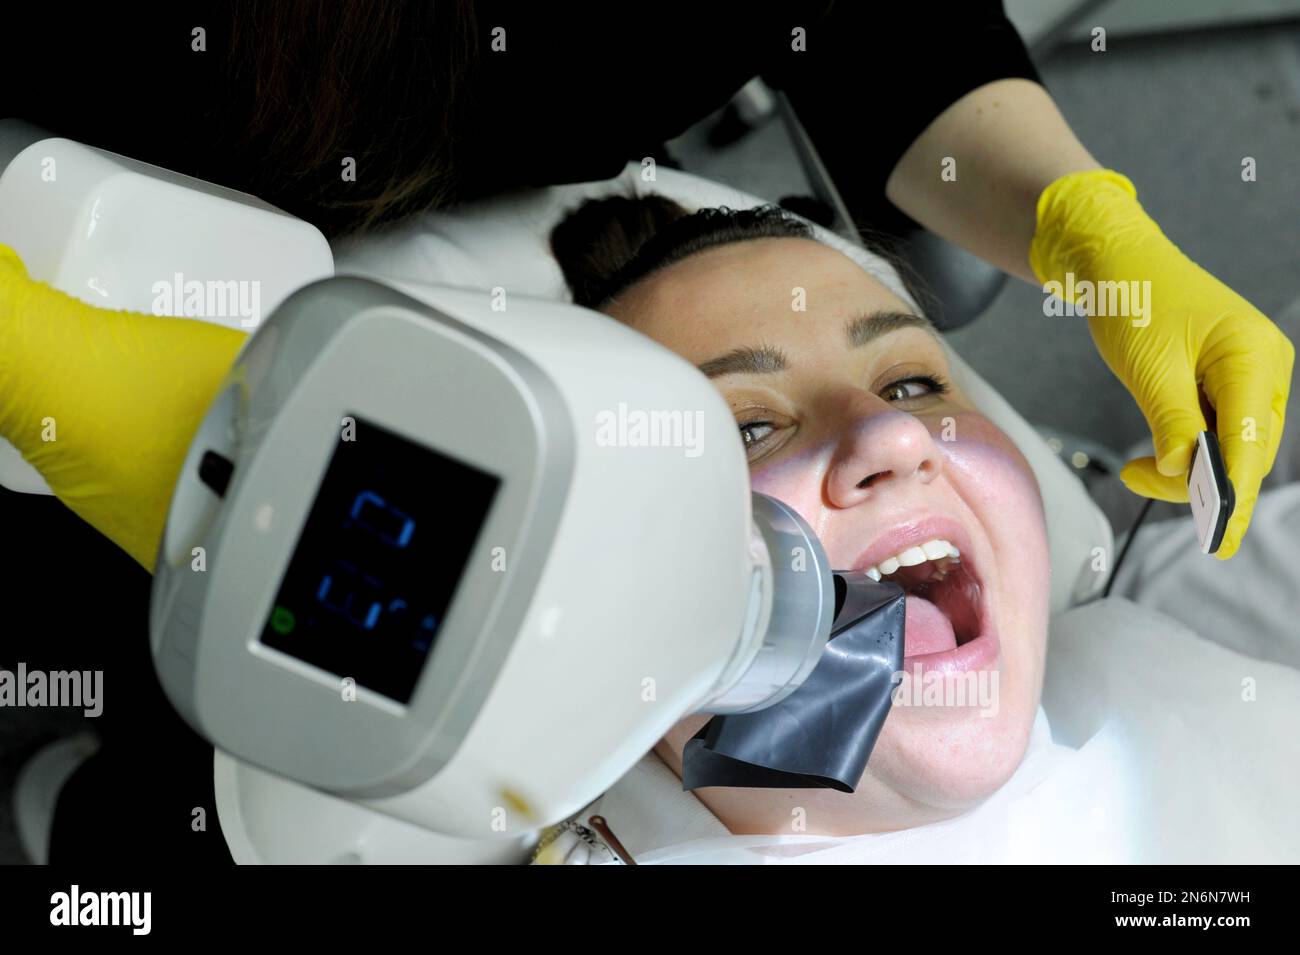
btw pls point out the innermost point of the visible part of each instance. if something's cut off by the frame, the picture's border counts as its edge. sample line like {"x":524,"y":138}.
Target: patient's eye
{"x":765,"y":435}
{"x":761,"y":436}
{"x":917,"y":386}
{"x":755,"y":432}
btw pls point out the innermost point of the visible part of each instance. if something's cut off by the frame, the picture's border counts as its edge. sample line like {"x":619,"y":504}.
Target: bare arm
{"x":1009,"y":142}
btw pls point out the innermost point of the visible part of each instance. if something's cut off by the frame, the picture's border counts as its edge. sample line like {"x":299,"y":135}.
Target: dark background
{"x":1185,"y":90}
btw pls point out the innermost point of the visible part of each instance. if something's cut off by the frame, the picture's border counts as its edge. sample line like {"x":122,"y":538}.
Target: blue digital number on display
{"x":338,"y":597}
{"x":362,"y":596}
{"x":371,"y":513}
{"x":399,"y":539}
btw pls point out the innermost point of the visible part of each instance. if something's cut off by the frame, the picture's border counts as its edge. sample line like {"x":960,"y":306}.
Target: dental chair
{"x":499,"y":243}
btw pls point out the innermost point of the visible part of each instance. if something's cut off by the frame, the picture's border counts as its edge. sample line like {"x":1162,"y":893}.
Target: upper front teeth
{"x":935,"y":549}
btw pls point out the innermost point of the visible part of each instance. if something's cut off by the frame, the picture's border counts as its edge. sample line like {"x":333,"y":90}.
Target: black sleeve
{"x":875,"y":75}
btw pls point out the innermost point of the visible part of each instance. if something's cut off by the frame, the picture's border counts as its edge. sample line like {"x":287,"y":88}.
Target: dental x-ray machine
{"x":455,"y":563}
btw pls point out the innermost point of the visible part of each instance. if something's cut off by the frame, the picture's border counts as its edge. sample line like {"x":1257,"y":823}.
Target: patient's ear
{"x":669,"y":749}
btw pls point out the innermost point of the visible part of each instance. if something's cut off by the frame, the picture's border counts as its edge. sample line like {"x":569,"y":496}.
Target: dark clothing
{"x":75,"y":601}
{"x":572,"y":97}
{"x":872,"y":77}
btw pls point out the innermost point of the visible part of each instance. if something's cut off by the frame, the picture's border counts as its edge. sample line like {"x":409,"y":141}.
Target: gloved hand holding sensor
{"x":1209,"y":492}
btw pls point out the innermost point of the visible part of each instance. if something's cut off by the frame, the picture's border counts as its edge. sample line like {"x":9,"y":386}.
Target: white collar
{"x":649,"y":812}
{"x":647,"y":809}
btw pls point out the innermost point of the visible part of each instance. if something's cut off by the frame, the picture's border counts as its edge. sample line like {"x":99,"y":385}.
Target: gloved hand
{"x":105,"y":403}
{"x":1194,"y":330}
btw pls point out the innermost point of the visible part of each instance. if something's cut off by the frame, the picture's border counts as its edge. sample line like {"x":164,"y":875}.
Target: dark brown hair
{"x":385,"y":83}
{"x":606,"y":245}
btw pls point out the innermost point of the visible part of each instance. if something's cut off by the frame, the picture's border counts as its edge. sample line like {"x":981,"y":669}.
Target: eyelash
{"x":936,"y":385}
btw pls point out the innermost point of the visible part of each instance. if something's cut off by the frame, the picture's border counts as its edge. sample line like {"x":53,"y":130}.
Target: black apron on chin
{"x":822,"y":734}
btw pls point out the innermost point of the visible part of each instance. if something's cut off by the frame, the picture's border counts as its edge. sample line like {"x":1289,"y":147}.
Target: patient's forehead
{"x":761,"y":286}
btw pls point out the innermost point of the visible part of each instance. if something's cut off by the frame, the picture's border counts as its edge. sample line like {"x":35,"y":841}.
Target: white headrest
{"x":505,"y":242}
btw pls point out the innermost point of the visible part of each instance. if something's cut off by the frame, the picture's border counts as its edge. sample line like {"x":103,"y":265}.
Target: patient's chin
{"x":951,"y":758}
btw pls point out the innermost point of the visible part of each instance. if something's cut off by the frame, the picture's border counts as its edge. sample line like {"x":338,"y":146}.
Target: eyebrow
{"x":765,"y":359}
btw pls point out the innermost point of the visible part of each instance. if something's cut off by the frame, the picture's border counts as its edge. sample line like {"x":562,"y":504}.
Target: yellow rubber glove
{"x":1193,"y":331}
{"x":104,"y":403}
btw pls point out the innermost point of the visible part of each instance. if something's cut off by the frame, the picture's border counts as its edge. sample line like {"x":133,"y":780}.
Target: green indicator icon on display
{"x":282,"y":620}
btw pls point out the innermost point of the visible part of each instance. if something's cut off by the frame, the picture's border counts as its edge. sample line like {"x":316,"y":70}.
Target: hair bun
{"x":596,"y":242}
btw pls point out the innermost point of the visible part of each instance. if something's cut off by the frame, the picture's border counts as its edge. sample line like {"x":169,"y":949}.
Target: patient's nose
{"x":883,"y":451}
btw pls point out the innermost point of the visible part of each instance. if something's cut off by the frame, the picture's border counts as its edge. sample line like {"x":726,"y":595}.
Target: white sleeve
{"x":1249,"y":603}
{"x":1201,"y":736}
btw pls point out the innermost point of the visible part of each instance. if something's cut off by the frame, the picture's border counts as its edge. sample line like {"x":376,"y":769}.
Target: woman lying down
{"x":1151,"y":743}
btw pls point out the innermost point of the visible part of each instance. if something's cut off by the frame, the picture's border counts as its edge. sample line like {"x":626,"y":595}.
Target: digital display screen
{"x":379,"y":558}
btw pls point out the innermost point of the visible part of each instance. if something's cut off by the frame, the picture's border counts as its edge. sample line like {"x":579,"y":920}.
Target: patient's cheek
{"x":794,"y":480}
{"x":992,"y":476}
{"x":983,"y":460}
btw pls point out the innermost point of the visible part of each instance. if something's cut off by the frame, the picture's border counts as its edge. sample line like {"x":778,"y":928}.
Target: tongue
{"x":926,"y":629}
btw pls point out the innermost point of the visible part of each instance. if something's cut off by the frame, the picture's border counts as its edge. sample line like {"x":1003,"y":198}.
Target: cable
{"x":1127,"y":544}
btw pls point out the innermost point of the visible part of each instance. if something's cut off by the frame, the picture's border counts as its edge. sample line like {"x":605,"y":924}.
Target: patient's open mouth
{"x":945,"y":600}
